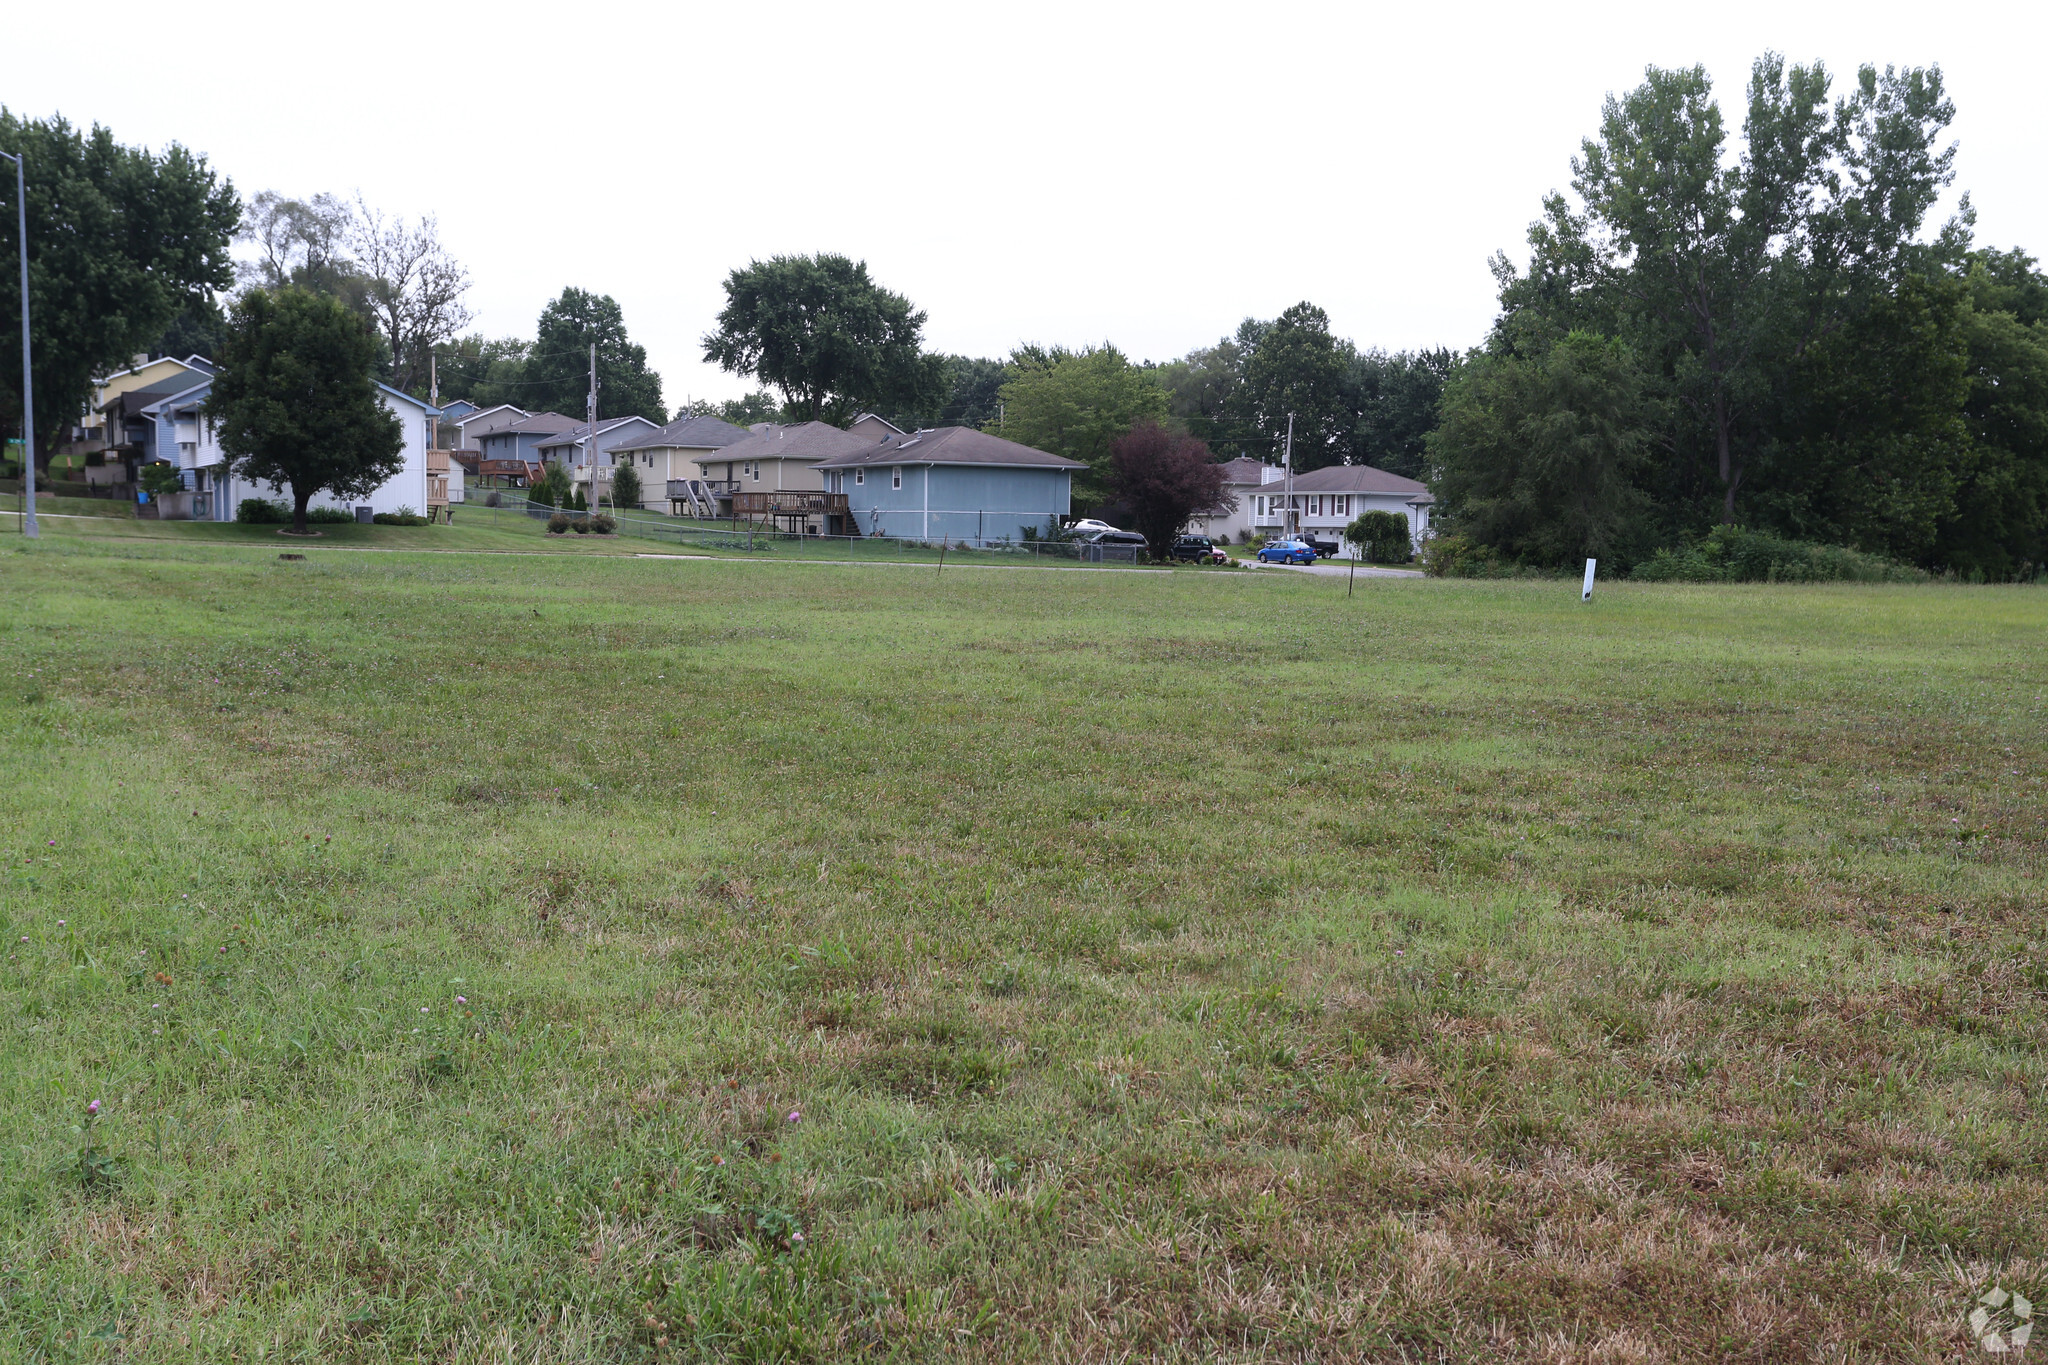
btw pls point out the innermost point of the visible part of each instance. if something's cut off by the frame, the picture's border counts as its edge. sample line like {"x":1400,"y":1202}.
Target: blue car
{"x":1287,"y":552}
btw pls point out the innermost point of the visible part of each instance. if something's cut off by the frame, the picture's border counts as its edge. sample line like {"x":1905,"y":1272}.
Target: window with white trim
{"x":896,"y":476}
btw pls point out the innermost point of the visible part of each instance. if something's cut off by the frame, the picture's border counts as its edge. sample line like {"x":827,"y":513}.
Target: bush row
{"x":562,"y":522}
{"x":1728,"y":554}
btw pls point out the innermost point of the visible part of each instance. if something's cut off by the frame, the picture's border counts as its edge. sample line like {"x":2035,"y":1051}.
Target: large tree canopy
{"x":1723,"y":271}
{"x":1298,"y":374}
{"x":1076,"y":404}
{"x":121,"y":242}
{"x":296,"y":403}
{"x":1816,"y":357}
{"x":828,"y":337}
{"x":556,"y":376}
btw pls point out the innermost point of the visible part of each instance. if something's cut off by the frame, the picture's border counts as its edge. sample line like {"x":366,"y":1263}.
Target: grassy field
{"x":563,"y":960}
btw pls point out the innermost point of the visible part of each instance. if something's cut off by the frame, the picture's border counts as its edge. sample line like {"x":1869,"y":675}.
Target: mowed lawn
{"x":575,"y":958}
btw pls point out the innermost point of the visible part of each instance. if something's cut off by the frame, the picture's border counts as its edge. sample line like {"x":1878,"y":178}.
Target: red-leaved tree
{"x":1166,"y":481}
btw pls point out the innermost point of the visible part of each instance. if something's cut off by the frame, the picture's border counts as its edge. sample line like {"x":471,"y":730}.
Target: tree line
{"x":1773,"y":336}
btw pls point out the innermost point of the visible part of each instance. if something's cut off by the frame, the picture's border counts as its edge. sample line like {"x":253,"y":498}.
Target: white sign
{"x":1586,"y":593}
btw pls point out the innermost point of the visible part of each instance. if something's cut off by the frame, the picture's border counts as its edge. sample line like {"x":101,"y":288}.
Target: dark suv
{"x":1197,"y":550}
{"x":1325,"y":549}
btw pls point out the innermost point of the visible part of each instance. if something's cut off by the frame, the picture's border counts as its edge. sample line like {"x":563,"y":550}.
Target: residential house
{"x":511,"y":449}
{"x":1242,"y":478}
{"x":455,"y":409}
{"x":144,"y":374}
{"x":128,"y":436}
{"x":1324,"y":501}
{"x":576,"y":452}
{"x":952,"y":483}
{"x":184,"y":435}
{"x":772,"y":474}
{"x":668,"y":460}
{"x":874,"y":428}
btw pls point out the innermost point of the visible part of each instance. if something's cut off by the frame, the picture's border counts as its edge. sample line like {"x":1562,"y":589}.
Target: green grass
{"x":1164,"y":967}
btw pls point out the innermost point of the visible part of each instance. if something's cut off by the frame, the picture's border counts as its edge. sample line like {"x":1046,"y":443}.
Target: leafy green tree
{"x":486,"y":371}
{"x":1394,"y":399}
{"x":1076,"y":404}
{"x":1203,"y":395}
{"x":1163,"y":481}
{"x":121,"y":242}
{"x":825,"y":334}
{"x":626,"y":492}
{"x":1871,"y":449}
{"x":974,"y":391}
{"x":1382,"y":537}
{"x":1998,"y":529}
{"x":556,"y":377}
{"x":758,"y":406}
{"x":1542,"y":458}
{"x":1296,"y":368}
{"x":1721,"y":270}
{"x":295,"y":402}
{"x":553,"y":487}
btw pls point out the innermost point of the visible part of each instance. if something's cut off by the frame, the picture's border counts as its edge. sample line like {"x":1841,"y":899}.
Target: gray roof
{"x":546,"y":423}
{"x":579,"y":430}
{"x":804,"y":441}
{"x":689,"y":433}
{"x":1244,"y":470}
{"x":1351,"y":478}
{"x":950,"y":445}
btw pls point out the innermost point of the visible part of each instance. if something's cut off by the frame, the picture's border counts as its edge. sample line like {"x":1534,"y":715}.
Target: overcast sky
{"x":1147,"y":174}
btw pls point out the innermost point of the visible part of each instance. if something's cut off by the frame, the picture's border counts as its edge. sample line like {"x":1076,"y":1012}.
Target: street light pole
{"x":28,"y":395}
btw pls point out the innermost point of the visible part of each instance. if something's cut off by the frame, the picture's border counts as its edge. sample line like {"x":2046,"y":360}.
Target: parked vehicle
{"x":1287,"y":552}
{"x":1326,"y":548}
{"x":1113,"y":547}
{"x":1199,"y":550}
{"x":1088,"y":526}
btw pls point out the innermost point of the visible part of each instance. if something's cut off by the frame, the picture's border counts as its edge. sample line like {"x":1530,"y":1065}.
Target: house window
{"x":860,"y":476}
{"x":896,"y":476}
{"x":1344,"y":505}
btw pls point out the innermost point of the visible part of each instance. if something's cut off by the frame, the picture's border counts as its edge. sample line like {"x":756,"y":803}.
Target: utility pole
{"x":1287,"y":518}
{"x":434,"y":399}
{"x":28,"y":383}
{"x":590,"y":448}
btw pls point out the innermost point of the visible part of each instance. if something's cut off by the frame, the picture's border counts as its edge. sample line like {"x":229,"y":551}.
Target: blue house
{"x":521,"y":440}
{"x":953,"y":483}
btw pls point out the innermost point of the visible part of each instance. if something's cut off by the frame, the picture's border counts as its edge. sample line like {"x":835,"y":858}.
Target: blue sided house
{"x":952,"y":483}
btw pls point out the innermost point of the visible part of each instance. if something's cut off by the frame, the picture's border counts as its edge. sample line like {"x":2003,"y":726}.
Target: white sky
{"x":1148,"y":174}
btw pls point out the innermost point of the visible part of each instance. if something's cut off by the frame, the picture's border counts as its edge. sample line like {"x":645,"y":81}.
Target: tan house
{"x":668,"y":459}
{"x":774,"y":459}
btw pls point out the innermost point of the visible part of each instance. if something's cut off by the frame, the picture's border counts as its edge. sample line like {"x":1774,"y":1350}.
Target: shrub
{"x":604,"y":525}
{"x":557,"y":524}
{"x":404,"y":516}
{"x":540,"y":495}
{"x":330,"y":516}
{"x":95,"y":459}
{"x":493,"y":500}
{"x":577,"y":501}
{"x":262,"y":512}
{"x":626,"y":491}
{"x":1731,"y":554}
{"x":1382,"y":536}
{"x":580,"y":525}
{"x":160,"y":478}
